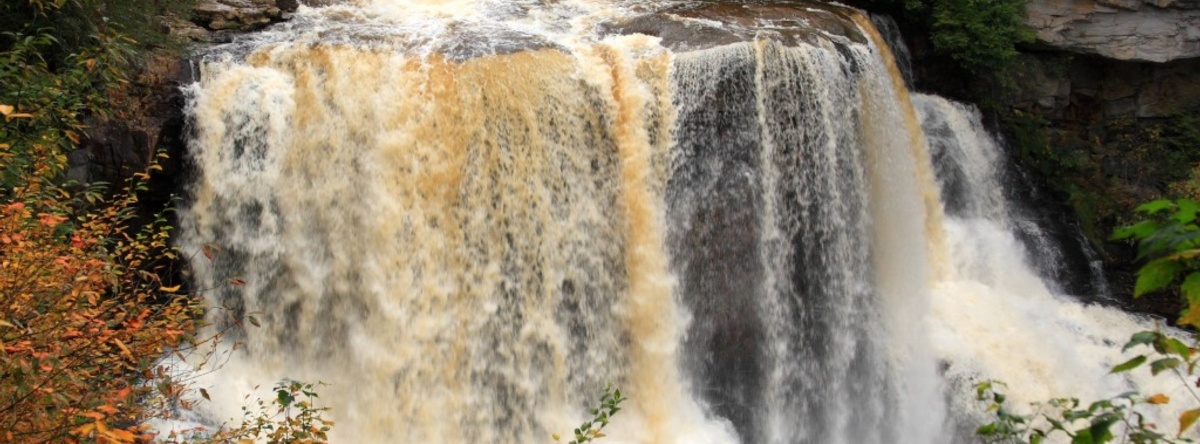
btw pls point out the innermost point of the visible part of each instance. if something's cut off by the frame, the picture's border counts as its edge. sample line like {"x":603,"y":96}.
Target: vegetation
{"x":1169,"y":240}
{"x":590,"y":430}
{"x":85,"y":311}
{"x":292,"y":417}
{"x":981,"y":35}
{"x":1103,"y":179}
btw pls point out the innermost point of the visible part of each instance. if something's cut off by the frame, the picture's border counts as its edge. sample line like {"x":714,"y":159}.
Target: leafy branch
{"x":610,"y":404}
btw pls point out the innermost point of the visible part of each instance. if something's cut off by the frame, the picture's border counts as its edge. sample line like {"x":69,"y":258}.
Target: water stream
{"x":468,"y":217}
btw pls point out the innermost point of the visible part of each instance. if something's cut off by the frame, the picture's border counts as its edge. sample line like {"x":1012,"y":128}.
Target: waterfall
{"x":998,"y":316}
{"x":470,"y":216}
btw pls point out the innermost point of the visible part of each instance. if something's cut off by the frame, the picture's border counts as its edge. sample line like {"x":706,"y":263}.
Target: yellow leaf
{"x":169,"y":289}
{"x":4,"y":146}
{"x":6,"y":109}
{"x":1159,"y":399}
{"x":123,"y":348}
{"x":1187,"y":419}
{"x":1190,"y":317}
{"x":18,"y":116}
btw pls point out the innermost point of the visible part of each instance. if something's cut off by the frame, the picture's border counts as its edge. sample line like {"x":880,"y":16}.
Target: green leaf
{"x":1130,"y":364}
{"x":1177,"y":347}
{"x":987,"y":429}
{"x":1191,"y":288}
{"x":1100,"y":429}
{"x":1083,"y":437}
{"x":1187,"y":211}
{"x":1141,"y":338}
{"x":1155,"y":275}
{"x":1154,"y":206}
{"x":1164,"y":364}
{"x":1138,"y":230}
{"x":283,"y":398}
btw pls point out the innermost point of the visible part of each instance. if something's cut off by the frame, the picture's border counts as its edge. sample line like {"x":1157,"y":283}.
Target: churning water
{"x":469,"y":216}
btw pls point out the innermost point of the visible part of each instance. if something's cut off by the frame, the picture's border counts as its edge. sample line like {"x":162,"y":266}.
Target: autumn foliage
{"x":84,"y":316}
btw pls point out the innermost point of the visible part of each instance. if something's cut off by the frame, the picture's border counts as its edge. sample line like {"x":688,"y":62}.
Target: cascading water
{"x":468,"y":217}
{"x":996,"y":317}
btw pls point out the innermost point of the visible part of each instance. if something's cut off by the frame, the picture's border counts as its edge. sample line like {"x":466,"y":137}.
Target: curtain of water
{"x":469,"y":217}
{"x":467,"y":250}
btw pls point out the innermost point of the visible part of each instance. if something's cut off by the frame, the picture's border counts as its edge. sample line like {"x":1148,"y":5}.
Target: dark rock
{"x":708,"y":25}
{"x":1082,"y":87}
{"x":115,"y":149}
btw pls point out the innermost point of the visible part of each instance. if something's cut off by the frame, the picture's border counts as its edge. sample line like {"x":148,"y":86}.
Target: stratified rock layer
{"x":1143,"y":30}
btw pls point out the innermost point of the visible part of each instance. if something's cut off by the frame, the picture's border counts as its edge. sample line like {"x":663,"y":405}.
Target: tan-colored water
{"x":470,"y":216}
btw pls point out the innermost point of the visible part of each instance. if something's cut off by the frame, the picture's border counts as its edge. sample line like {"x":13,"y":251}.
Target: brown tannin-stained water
{"x":469,"y":216}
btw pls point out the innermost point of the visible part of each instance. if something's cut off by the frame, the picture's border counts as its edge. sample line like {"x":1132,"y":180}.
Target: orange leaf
{"x":124,"y":349}
{"x":122,"y":436}
{"x":1159,"y":399}
{"x":107,"y":409}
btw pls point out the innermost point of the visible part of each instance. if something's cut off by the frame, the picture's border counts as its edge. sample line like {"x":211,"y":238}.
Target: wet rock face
{"x":1139,"y":30}
{"x":708,"y":25}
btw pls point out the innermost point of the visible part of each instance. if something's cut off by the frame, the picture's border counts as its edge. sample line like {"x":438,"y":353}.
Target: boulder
{"x":1137,"y":30}
{"x":241,"y":15}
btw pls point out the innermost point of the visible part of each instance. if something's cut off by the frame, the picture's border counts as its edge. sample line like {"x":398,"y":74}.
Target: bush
{"x":981,"y":35}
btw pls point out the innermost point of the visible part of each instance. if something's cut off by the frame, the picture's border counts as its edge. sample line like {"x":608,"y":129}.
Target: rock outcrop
{"x":697,"y":26}
{"x":215,"y":20}
{"x":1140,"y":30}
{"x":1090,"y":88}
